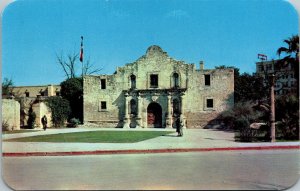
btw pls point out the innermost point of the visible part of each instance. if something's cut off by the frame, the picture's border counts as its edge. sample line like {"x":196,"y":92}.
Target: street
{"x":274,"y":169}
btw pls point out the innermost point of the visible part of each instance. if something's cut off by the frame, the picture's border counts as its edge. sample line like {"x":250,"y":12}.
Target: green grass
{"x":95,"y":137}
{"x":18,"y":131}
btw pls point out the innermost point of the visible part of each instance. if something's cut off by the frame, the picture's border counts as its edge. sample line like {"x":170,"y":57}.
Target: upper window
{"x":153,"y":80}
{"x":27,"y":94}
{"x":103,"y":84}
{"x":176,"y":80}
{"x":207,"y":79}
{"x":260,"y":68}
{"x":133,"y":81}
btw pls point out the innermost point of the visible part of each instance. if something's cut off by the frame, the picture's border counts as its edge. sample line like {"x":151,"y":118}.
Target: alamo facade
{"x":149,"y":92}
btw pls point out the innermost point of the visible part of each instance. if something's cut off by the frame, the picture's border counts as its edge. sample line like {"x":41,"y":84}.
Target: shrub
{"x":287,"y":113}
{"x":60,"y":109}
{"x":5,"y":125}
{"x":242,"y":115}
{"x":74,"y":122}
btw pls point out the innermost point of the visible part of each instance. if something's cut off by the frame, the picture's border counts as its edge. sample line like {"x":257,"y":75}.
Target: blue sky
{"x":116,"y":32}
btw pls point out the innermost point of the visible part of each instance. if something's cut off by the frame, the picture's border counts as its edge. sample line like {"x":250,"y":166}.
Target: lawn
{"x":95,"y":137}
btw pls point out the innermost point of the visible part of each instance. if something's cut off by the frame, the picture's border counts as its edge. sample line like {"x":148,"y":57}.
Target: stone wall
{"x":11,"y":113}
{"x":40,"y":110}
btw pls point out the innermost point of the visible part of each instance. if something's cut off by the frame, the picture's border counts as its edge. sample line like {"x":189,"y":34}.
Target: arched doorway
{"x":154,"y":115}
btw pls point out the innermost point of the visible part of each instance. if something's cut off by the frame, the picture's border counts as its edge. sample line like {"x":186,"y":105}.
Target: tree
{"x":291,"y":53}
{"x":72,"y":90}
{"x":69,"y":65}
{"x":249,"y":87}
{"x":7,"y":87}
{"x":60,"y":109}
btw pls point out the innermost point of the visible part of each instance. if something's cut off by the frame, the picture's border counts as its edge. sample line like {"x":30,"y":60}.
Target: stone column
{"x":139,"y":115}
{"x":169,"y":117}
{"x":182,"y":109}
{"x":126,"y":117}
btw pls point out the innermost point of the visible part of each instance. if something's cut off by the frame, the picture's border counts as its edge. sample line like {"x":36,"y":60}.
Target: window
{"x":207,"y":79}
{"x":103,"y":105}
{"x":153,"y":80}
{"x":133,"y":81}
{"x":269,"y":67}
{"x":209,"y":103}
{"x":42,"y":93}
{"x":176,"y":80}
{"x":27,"y":94}
{"x":103,"y":84}
{"x":57,"y":93}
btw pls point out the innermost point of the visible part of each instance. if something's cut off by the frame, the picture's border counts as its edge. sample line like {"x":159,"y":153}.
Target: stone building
{"x":32,"y":97}
{"x":36,"y":91}
{"x":152,"y":90}
{"x":285,"y":80}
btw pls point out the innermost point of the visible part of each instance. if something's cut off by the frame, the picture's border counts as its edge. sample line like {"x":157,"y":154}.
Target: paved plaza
{"x":192,"y":139}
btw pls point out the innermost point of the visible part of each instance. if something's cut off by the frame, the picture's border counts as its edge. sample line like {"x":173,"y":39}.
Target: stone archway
{"x":154,"y":115}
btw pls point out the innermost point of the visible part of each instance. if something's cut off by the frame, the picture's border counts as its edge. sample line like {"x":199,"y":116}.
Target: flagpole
{"x":81,"y":56}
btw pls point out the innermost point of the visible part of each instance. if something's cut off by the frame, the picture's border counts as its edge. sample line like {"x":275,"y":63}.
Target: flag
{"x":81,"y":50}
{"x":262,"y":56}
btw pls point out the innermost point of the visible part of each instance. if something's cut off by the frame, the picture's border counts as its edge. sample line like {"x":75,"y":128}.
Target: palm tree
{"x":292,"y":55}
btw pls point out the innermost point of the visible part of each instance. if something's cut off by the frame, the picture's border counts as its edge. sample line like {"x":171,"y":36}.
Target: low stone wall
{"x":11,"y":114}
{"x":200,"y":120}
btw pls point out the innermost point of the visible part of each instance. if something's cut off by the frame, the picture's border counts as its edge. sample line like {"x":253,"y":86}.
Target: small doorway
{"x":154,"y":115}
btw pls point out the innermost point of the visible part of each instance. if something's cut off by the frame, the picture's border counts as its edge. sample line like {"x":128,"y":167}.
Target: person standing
{"x":179,"y":125}
{"x":44,"y":122}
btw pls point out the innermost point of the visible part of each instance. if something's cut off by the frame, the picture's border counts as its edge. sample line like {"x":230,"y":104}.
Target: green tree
{"x":72,"y":90}
{"x":249,"y":87}
{"x":60,"y":109}
{"x":7,"y":87}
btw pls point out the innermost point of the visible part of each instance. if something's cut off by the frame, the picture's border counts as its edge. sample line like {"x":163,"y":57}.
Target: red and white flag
{"x":262,"y":56}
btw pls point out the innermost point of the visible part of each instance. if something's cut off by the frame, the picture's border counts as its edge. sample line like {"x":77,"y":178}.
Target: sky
{"x":117,"y":32}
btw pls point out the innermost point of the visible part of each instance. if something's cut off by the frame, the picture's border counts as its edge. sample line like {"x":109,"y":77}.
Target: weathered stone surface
{"x":178,"y":83}
{"x":11,"y":114}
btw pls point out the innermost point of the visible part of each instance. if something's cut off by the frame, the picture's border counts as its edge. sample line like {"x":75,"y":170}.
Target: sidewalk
{"x":194,"y":140}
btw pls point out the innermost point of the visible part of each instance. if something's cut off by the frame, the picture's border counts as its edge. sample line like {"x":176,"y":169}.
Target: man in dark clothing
{"x":44,"y":122}
{"x":178,"y":124}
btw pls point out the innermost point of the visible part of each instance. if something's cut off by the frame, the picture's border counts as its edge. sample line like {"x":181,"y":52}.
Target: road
{"x":275,"y":169}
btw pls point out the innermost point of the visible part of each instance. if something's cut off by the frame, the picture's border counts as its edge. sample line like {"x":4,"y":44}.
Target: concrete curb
{"x":145,"y":151}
